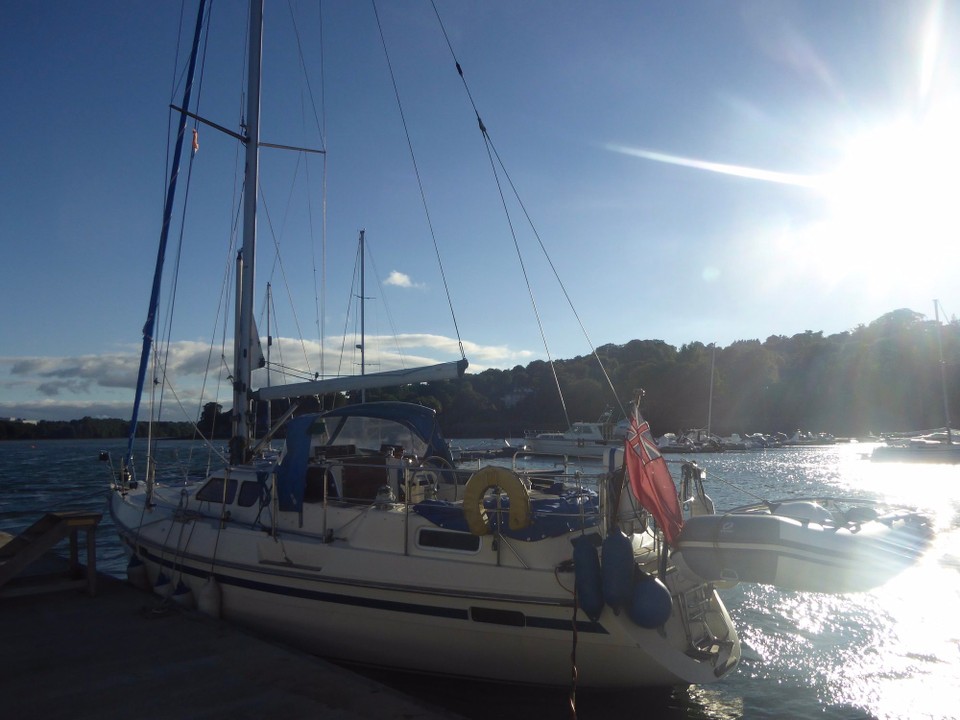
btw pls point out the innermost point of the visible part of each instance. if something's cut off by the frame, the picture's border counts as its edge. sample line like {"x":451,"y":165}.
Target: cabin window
{"x":213,"y":491}
{"x":250,"y":493}
{"x":369,"y":435}
{"x":446,"y":540}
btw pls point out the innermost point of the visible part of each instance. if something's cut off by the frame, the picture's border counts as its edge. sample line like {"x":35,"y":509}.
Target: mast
{"x":943,"y":373}
{"x":269,"y":423}
{"x":363,"y":334}
{"x":713,"y":359}
{"x":243,"y":331}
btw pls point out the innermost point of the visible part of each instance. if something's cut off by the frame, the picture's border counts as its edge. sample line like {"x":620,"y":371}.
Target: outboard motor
{"x":692,"y":494}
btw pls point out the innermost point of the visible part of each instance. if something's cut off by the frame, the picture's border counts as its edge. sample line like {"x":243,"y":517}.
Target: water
{"x":40,"y":476}
{"x":893,"y":652}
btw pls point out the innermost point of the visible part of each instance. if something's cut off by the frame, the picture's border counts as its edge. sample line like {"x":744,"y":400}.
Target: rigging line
{"x":173,"y":90}
{"x":523,"y":208}
{"x":154,"y":304}
{"x":346,"y":319}
{"x":416,"y":170}
{"x":386,"y":309}
{"x":278,"y":262}
{"x":306,"y":77}
{"x":225,"y":289}
{"x":466,"y":87}
{"x":279,"y":345}
{"x":286,"y":214}
{"x":556,"y":275}
{"x":296,"y":372}
{"x":491,"y":153}
{"x":227,"y":286}
{"x":323,"y":271}
{"x":523,"y":268}
{"x":323,"y":200}
{"x":359,"y":316}
{"x":162,"y":364}
{"x":174,"y":83}
{"x":313,"y":254}
{"x":171,"y":304}
{"x":196,"y":428}
{"x":178,"y":257}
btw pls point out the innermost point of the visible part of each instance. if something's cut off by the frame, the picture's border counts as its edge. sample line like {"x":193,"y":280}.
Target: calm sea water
{"x":890,"y":653}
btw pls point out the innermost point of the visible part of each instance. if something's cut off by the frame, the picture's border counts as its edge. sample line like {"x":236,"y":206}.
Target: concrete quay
{"x":122,"y":654}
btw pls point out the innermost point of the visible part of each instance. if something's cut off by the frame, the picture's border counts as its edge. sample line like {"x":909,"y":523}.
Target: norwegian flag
{"x":650,"y":477}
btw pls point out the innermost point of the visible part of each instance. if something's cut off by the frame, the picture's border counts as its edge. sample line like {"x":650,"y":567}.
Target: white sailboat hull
{"x":930,"y":452}
{"x":426,"y":610}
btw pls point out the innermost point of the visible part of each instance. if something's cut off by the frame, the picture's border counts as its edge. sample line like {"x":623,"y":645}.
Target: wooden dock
{"x":27,"y":567}
{"x":123,"y":654}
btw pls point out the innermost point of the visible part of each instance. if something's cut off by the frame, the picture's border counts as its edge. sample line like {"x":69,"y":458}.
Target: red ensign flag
{"x":650,"y":477}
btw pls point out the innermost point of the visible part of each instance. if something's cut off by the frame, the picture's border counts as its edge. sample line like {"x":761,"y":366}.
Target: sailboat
{"x":933,"y":446}
{"x":362,"y":542}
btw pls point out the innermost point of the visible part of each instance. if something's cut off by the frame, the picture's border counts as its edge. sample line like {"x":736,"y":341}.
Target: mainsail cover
{"x":391,"y":378}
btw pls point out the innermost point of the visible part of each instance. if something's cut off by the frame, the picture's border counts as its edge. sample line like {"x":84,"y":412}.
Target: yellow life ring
{"x":490,"y":477}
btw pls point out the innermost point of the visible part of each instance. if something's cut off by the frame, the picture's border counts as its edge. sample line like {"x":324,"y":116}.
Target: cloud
{"x":66,"y":388}
{"x":399,"y":279}
{"x":742,"y":171}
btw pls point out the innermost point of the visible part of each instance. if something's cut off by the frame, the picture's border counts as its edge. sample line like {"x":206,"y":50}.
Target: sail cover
{"x":391,"y":378}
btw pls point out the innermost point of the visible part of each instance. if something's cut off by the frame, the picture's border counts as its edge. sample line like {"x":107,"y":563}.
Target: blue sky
{"x":698,"y":171}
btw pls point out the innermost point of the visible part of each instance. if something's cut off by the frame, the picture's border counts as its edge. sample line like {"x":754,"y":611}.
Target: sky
{"x":696,"y":171}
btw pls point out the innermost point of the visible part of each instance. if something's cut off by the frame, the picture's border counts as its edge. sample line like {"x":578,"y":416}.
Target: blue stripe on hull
{"x":452,"y":613}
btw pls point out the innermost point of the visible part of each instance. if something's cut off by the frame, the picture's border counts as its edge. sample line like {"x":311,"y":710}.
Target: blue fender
{"x":617,"y":556}
{"x":651,"y":605}
{"x":586,"y":567}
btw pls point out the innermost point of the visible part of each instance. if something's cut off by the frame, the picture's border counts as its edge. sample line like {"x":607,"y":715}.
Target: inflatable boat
{"x":807,"y":545}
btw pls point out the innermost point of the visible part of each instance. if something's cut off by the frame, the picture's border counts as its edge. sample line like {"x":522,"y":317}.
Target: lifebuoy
{"x":490,"y":477}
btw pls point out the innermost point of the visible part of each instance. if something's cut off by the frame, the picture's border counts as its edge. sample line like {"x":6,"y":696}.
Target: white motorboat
{"x":580,"y":440}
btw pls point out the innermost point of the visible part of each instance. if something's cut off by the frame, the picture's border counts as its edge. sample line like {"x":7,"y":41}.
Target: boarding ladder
{"x":33,"y":544}
{"x":702,"y":643}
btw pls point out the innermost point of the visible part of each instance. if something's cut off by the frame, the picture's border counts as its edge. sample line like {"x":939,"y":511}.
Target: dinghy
{"x":816,"y":545}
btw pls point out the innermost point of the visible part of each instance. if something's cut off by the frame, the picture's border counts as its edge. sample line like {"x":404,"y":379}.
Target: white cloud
{"x":399,"y":279}
{"x":65,"y":388}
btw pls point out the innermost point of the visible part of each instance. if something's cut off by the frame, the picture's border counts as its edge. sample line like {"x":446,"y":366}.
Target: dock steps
{"x":32,"y":546}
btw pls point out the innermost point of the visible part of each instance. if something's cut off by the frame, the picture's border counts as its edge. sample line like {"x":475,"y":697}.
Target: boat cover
{"x":291,"y":474}
{"x":419,"y":419}
{"x":550,"y":516}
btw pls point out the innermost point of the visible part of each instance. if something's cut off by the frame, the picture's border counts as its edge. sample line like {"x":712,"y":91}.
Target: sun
{"x":891,"y":203}
{"x":899,"y":184}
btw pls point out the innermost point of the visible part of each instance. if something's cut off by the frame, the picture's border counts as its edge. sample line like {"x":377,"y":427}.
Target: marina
{"x":807,"y":655}
{"x":328,"y":543}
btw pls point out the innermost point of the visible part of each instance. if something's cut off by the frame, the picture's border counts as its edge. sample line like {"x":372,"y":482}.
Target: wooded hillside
{"x":882,"y":377}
